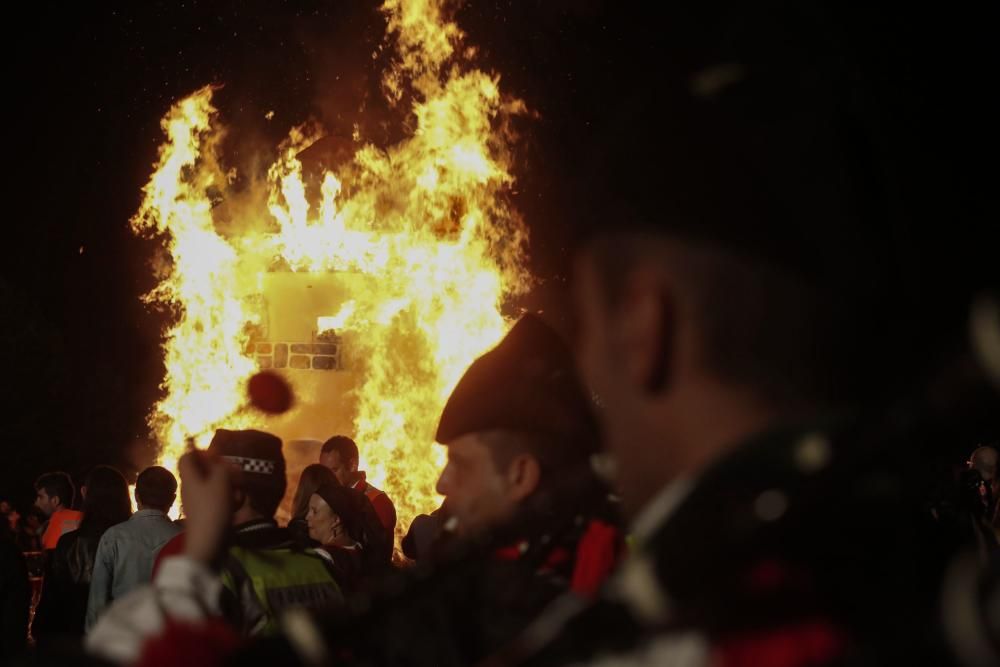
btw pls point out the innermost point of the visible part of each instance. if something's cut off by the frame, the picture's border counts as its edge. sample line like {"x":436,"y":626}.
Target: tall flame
{"x":422,"y":227}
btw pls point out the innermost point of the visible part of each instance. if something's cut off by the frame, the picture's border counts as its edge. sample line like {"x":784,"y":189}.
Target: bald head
{"x":984,"y":459}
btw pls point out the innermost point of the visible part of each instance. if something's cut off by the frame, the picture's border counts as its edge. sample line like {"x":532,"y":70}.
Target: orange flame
{"x":420,"y":233}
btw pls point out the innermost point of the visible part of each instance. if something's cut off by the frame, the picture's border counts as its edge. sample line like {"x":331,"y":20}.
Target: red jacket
{"x":384,"y":508}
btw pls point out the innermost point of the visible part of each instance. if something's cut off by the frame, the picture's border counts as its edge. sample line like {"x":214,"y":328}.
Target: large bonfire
{"x":419,"y":231}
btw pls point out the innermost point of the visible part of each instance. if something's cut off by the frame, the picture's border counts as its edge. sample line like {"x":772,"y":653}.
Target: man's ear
{"x":524,"y":474}
{"x":647,"y":331}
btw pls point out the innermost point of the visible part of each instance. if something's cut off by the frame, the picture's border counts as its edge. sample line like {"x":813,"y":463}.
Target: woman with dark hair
{"x":312,"y":477}
{"x":349,"y":532}
{"x":63,"y":604}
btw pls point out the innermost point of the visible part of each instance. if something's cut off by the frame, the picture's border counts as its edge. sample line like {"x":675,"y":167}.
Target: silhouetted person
{"x":126,"y":551}
{"x":731,"y":316}
{"x":340,"y":454}
{"x":62,"y":607}
{"x":527,"y":519}
{"x":344,"y":525}
{"x":983,"y":465}
{"x":263,"y":570}
{"x":425,"y":531}
{"x":55,"y":496}
{"x":29,"y":530}
{"x":313,"y":476}
{"x":535,"y":524}
{"x":15,"y":598}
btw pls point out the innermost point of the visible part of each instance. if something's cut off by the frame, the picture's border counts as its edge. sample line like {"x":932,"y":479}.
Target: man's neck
{"x":245,"y":515}
{"x":710,"y":425}
{"x":146,"y":508}
{"x":695,"y":430}
{"x":254,"y":524}
{"x":356,"y":477}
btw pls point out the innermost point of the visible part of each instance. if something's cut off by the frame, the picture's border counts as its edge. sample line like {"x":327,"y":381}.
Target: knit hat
{"x":527,"y":383}
{"x":257,"y":454}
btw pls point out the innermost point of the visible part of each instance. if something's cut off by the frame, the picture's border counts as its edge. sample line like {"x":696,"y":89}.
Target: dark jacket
{"x":423,"y":533}
{"x":798,"y":542}
{"x":62,"y":607}
{"x":15,"y":600}
{"x":298,"y":530}
{"x":381,"y":503}
{"x":347,"y":565}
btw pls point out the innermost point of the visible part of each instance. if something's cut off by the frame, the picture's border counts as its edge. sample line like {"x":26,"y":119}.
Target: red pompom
{"x":270,"y":392}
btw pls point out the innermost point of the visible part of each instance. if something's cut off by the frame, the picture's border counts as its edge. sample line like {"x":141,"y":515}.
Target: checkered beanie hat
{"x":254,"y":452}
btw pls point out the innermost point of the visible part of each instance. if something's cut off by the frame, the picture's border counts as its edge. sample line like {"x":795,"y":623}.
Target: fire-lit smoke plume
{"x":419,"y":234}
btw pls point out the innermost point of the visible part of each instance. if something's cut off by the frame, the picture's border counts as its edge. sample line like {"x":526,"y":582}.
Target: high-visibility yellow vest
{"x":266,"y":582}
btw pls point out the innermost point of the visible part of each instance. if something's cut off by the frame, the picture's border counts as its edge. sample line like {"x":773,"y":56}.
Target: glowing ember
{"x":418,"y":234}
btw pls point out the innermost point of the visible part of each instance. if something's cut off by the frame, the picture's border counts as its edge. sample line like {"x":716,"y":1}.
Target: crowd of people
{"x":711,"y":474}
{"x":232,"y":561}
{"x":528,"y":561}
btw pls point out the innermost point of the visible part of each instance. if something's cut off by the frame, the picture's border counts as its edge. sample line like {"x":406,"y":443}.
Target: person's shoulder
{"x":377,"y":495}
{"x":111,"y":534}
{"x":785,"y":504}
{"x":321,"y":552}
{"x":367,"y":488}
{"x":62,"y":522}
{"x":172,"y":529}
{"x":318,"y":552}
{"x":161,"y":524}
{"x":262,"y":538}
{"x":172,"y":546}
{"x":178,"y":537}
{"x":119,"y":531}
{"x":67,"y":540}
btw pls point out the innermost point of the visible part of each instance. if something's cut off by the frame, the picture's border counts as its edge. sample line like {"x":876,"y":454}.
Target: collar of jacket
{"x":261,"y":534}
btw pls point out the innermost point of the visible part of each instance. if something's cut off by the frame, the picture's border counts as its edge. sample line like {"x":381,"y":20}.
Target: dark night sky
{"x":86,"y":88}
